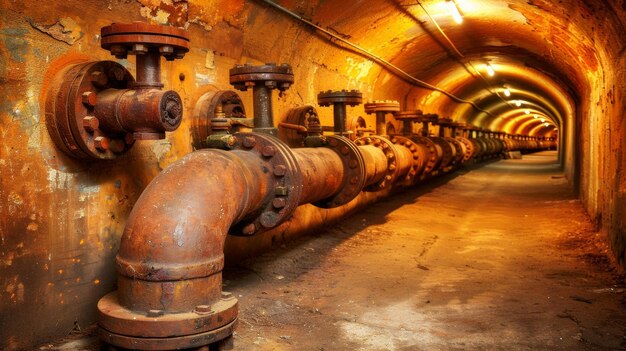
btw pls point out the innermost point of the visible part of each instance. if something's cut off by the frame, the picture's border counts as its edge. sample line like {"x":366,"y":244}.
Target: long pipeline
{"x":171,"y":254}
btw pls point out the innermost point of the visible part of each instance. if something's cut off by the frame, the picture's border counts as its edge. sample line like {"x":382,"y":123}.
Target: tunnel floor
{"x":500,"y":257}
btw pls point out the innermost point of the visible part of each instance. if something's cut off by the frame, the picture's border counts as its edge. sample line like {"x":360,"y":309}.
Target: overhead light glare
{"x":507,"y":92}
{"x":527,"y":112}
{"x":535,"y":116}
{"x":547,"y":124}
{"x":518,"y":103}
{"x":490,"y":70}
{"x":454,"y":11}
{"x":543,"y":120}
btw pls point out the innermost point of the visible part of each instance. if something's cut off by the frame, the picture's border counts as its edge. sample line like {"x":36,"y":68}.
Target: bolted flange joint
{"x":283,"y":174}
{"x":386,"y":146}
{"x":339,"y":100}
{"x":96,"y":110}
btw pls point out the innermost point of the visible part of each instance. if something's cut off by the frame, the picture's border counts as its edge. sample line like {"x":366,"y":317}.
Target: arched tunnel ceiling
{"x":546,"y":59}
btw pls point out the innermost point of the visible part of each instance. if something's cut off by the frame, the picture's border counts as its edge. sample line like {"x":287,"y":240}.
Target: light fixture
{"x":527,"y":112}
{"x":507,"y":92}
{"x":490,"y":70}
{"x":547,"y":124}
{"x":535,"y":116}
{"x":518,"y":103}
{"x":454,"y":11}
{"x":543,"y":120}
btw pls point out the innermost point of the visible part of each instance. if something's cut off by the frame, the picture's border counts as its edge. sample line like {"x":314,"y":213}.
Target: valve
{"x":262,"y":79}
{"x":339,"y":100}
{"x":216,"y":116}
{"x":97,"y":109}
{"x":381,"y":108}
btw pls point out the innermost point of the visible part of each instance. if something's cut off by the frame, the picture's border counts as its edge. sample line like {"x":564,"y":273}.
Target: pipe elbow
{"x":172,"y":251}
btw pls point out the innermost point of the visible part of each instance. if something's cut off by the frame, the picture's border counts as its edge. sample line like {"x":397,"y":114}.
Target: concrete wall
{"x":61,"y":219}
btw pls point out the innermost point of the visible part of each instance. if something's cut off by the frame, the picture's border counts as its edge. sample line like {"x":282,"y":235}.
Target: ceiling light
{"x":518,"y":103}
{"x":527,"y":112}
{"x":507,"y":92}
{"x":547,"y":124}
{"x":543,"y":120}
{"x":454,"y":11}
{"x":490,"y":70}
{"x":535,"y":116}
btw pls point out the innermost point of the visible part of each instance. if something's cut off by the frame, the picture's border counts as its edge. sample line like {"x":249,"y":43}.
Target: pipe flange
{"x":386,"y":106}
{"x":156,"y":330}
{"x":207,"y":111}
{"x":286,"y":177}
{"x":348,"y":97}
{"x":392,"y":167}
{"x":270,"y":75}
{"x":460,"y":150}
{"x":470,"y":148}
{"x":413,"y":147}
{"x":70,"y":105}
{"x":432,"y":160}
{"x":447,"y":156}
{"x":139,"y":37}
{"x":354,"y":171}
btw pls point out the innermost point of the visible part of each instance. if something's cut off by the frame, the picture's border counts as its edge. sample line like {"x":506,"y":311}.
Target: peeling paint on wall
{"x":65,"y":30}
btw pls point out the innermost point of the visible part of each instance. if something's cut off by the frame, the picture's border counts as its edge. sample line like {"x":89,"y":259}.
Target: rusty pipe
{"x":375,"y":163}
{"x":322,"y":173}
{"x":142,"y":112}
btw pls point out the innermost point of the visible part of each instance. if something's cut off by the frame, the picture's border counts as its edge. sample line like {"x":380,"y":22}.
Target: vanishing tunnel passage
{"x":455,"y":164}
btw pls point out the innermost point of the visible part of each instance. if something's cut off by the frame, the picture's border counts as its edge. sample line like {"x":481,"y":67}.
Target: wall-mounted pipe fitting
{"x":216,"y":115}
{"x":97,"y":109}
{"x":263,"y":80}
{"x":381,"y":109}
{"x":339,"y":100}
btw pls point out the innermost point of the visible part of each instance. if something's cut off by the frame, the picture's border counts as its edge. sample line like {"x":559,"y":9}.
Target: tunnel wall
{"x":61,"y":219}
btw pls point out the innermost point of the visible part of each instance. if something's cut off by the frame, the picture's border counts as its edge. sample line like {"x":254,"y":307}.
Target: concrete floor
{"x":499,"y":258}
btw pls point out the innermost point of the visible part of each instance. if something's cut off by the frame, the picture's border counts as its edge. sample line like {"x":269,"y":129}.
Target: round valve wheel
{"x":70,"y":103}
{"x":348,"y":97}
{"x":382,"y":106}
{"x":299,"y":116}
{"x":270,"y":75}
{"x":137,"y":38}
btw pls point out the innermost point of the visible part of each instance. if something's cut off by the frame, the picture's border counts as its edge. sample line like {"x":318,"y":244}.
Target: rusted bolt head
{"x":353,"y":163}
{"x":407,"y":143}
{"x":269,"y":219}
{"x":90,"y":98}
{"x":354,"y":180}
{"x":389,"y":155}
{"x":230,"y":141}
{"x":91,"y":123}
{"x":279,"y":202}
{"x":155,"y":313}
{"x":387,"y":177}
{"x":333,"y":142}
{"x":385,"y":146}
{"x":119,"y":51}
{"x":268,"y":151}
{"x":101,"y":143}
{"x":344,"y":150}
{"x":284,"y":86}
{"x":166,"y":50}
{"x":203,"y":309}
{"x":281,"y":191}
{"x":249,"y":142}
{"x":99,"y":79}
{"x":270,"y":84}
{"x":391,"y":167}
{"x":140,"y":49}
{"x":394,"y":140}
{"x":280,"y":170}
{"x":249,"y":229}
